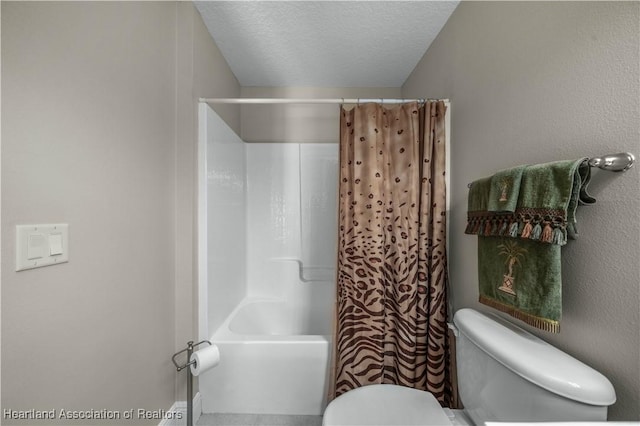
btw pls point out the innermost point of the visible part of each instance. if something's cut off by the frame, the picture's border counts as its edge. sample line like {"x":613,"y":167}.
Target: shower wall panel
{"x":319,"y":210}
{"x":291,"y":222}
{"x":226,"y":220}
{"x":273,"y":217}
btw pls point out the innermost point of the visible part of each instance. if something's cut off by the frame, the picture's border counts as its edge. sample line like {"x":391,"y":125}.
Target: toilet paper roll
{"x":205,"y":359}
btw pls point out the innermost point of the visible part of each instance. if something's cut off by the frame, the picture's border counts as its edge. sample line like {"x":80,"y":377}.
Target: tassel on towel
{"x":547,"y":233}
{"x":536,"y":232}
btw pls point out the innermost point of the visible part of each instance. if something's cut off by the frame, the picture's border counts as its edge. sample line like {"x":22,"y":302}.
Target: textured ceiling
{"x":324,"y":43}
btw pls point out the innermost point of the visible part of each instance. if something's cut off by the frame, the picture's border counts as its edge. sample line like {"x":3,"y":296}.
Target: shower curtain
{"x":391,"y":313}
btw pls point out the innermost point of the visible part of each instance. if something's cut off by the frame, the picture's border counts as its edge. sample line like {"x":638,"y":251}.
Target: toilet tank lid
{"x":534,"y":359}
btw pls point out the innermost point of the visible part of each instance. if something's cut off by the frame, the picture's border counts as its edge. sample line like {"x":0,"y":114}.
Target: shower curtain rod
{"x":311,"y":100}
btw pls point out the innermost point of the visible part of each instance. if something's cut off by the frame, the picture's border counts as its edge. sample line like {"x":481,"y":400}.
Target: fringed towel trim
{"x":544,"y":225}
{"x":545,"y":324}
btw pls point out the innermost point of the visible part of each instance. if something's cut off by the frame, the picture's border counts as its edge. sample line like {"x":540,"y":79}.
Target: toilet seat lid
{"x":385,"y":405}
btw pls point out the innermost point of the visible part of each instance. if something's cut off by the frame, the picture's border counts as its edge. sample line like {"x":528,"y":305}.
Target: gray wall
{"x":98,"y":131}
{"x":533,"y":82}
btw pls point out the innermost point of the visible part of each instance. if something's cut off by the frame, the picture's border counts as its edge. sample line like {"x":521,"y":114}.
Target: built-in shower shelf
{"x":311,"y":273}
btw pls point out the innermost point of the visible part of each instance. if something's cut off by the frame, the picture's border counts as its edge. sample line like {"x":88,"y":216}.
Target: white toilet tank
{"x":508,"y":374}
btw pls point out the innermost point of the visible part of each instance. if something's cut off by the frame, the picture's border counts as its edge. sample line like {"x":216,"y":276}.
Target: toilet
{"x":505,"y":374}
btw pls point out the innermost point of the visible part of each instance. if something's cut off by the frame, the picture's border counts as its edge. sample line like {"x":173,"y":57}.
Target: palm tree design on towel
{"x":504,"y":186}
{"x":513,"y":252}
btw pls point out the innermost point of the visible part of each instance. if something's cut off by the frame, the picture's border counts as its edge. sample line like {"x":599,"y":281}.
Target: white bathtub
{"x":274,"y":359}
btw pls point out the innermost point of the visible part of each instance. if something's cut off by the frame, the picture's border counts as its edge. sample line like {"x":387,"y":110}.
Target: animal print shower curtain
{"x":391,"y":313}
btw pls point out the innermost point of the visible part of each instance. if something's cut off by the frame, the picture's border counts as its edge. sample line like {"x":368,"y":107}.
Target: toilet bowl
{"x":505,"y":374}
{"x":390,"y":405}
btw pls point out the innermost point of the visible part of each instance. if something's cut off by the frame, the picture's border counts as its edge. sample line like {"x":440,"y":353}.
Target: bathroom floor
{"x":219,"y":419}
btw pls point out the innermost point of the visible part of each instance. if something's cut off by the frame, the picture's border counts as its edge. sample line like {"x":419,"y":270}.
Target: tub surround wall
{"x":273,"y":218}
{"x":226,"y":221}
{"x":281,"y":220}
{"x":533,"y":82}
{"x":265,"y":226}
{"x":319,"y":171}
{"x":271,"y":224}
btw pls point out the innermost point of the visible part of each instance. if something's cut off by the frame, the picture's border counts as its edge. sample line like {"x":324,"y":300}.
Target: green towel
{"x":478,"y":199}
{"x":519,"y":265}
{"x":477,"y":207}
{"x":545,"y":211}
{"x":522,"y":278}
{"x":550,"y":194}
{"x":505,"y":188}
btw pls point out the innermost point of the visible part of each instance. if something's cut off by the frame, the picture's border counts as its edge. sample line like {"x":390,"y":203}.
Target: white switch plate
{"x":41,"y":245}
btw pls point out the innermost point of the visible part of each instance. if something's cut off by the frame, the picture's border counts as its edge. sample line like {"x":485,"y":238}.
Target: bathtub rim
{"x":223,"y":334}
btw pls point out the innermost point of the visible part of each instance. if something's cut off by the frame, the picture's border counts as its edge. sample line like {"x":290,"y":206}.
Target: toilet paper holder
{"x":189,"y":350}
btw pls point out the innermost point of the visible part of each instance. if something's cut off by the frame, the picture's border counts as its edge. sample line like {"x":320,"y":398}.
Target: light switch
{"x":41,"y":245}
{"x":55,"y":244}
{"x":36,"y":246}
